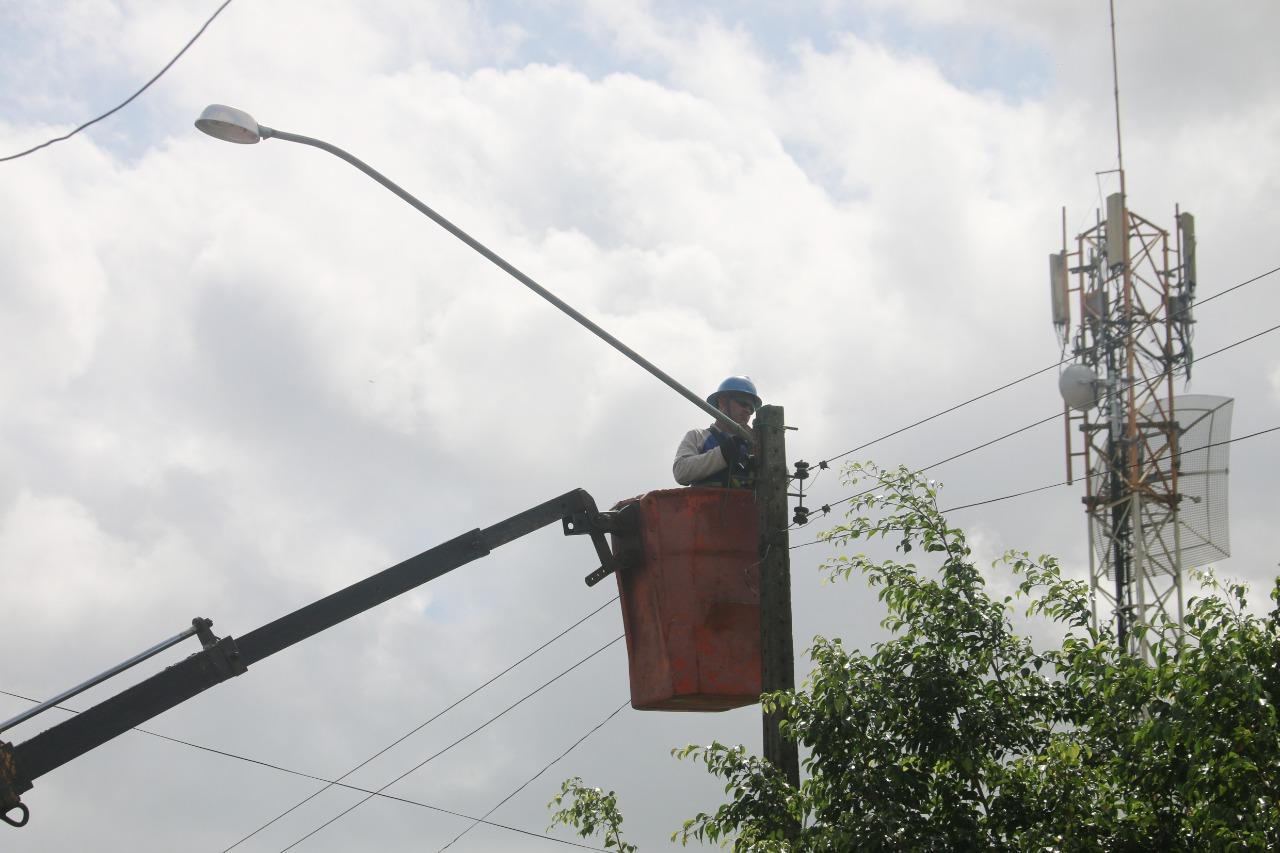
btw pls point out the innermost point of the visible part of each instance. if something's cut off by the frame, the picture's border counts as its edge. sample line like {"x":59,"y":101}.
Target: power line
{"x":338,"y":782}
{"x":987,"y":444}
{"x":1004,"y":498}
{"x":544,"y":769}
{"x":469,"y":734}
{"x":1033,"y":374}
{"x":335,"y":783}
{"x":423,"y":725}
{"x":1200,"y":302}
{"x":1064,"y":482}
{"x":1239,"y":342}
{"x":1055,"y":485}
{"x":126,"y":101}
{"x":948,"y":411}
{"x":827,"y":507}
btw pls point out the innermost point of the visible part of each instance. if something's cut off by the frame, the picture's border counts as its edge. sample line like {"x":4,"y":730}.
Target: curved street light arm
{"x":271,"y":133}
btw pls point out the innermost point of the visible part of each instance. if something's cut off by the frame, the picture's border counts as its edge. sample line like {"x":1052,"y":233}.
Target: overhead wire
{"x":1051,"y":485}
{"x":465,"y":737}
{"x":946,"y":411}
{"x":544,"y":769}
{"x":127,"y":100}
{"x":1238,"y":343}
{"x":303,"y":775}
{"x":985,"y":444}
{"x":1233,"y":287}
{"x":1046,"y":369}
{"x":1005,"y":497}
{"x":338,"y":782}
{"x":822,"y":466}
{"x":422,"y":725}
{"x":826,"y":508}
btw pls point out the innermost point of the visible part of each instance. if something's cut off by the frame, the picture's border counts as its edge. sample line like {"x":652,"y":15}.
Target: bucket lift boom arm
{"x":226,"y":657}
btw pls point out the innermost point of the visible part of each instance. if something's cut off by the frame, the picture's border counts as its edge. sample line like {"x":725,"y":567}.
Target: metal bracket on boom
{"x":203,"y":631}
{"x":596,"y":524}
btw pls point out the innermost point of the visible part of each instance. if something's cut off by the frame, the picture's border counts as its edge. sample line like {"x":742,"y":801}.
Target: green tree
{"x":957,"y":733}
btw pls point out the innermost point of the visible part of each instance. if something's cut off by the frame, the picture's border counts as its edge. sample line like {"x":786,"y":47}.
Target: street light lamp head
{"x":229,"y":124}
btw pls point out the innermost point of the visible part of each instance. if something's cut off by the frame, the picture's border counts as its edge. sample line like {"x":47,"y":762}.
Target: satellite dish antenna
{"x":1079,"y":387}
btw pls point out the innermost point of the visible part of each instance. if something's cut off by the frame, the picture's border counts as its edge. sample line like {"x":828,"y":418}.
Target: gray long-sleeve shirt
{"x":693,"y":464}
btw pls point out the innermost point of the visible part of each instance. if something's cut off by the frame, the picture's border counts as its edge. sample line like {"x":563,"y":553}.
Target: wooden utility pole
{"x":777,"y":659}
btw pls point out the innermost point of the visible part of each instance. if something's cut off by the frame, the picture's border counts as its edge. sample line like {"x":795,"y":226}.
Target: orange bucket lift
{"x":689,"y":583}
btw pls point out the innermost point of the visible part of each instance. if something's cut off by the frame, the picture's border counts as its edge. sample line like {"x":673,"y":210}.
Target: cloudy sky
{"x":238,"y":378}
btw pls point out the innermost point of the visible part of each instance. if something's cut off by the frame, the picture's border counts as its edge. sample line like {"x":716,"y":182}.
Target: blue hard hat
{"x":740,"y":384}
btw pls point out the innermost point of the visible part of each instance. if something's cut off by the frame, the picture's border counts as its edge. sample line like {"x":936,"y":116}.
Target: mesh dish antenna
{"x":1196,"y":532}
{"x":1204,"y":424}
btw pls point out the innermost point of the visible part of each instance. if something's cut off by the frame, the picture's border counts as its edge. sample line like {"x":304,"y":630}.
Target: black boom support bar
{"x":226,"y":658}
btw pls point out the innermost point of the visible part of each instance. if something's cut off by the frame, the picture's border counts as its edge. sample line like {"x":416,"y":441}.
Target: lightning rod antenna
{"x":1115,"y":79}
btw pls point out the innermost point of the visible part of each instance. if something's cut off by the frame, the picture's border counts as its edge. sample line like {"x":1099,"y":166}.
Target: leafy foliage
{"x":590,"y":810}
{"x":957,"y":733}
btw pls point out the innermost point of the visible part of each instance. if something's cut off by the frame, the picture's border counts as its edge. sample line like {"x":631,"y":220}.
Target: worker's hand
{"x":729,"y":449}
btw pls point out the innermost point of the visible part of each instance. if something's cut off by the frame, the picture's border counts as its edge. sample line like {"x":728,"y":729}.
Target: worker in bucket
{"x":715,"y":456}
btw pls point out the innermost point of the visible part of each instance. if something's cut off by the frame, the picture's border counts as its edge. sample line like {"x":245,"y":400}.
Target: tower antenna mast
{"x":1115,"y":80}
{"x":1130,"y":285}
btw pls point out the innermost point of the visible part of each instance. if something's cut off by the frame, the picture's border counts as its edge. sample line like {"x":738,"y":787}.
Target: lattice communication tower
{"x":1155,"y":489}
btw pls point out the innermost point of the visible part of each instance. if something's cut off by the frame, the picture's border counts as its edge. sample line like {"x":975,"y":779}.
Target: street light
{"x":232,"y":125}
{"x":229,"y":124}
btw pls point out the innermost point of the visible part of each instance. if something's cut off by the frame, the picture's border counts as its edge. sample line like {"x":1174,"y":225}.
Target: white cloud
{"x":248,"y":376}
